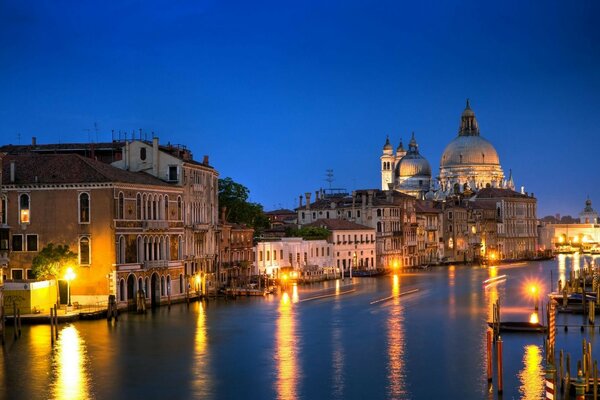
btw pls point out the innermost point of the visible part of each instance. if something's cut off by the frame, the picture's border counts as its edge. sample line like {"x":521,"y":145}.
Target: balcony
{"x":200,"y":227}
{"x":156,"y":225}
{"x":156,"y":264}
{"x":431,"y":228}
{"x":397,"y":233}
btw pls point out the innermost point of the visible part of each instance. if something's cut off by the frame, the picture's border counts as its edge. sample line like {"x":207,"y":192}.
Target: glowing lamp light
{"x":69,"y":275}
{"x":561,"y":239}
{"x":533,"y":289}
{"x":575,"y":239}
{"x":534,"y":319}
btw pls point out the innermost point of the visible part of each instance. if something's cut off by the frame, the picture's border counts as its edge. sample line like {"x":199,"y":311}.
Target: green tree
{"x":234,"y":196}
{"x":52,"y":261}
{"x":308,"y":233}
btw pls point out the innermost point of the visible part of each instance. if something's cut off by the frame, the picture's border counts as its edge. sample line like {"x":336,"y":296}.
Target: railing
{"x":156,"y":264}
{"x":156,"y":225}
{"x":200,"y":227}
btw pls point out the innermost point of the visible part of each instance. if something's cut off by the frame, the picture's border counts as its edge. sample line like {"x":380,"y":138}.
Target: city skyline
{"x":277,"y":94}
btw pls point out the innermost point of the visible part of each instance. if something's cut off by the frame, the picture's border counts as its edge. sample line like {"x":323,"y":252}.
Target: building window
{"x":260,"y":255}
{"x":84,"y":208}
{"x":32,"y":242}
{"x":17,"y":242}
{"x":29,"y":273}
{"x":143,"y":153}
{"x":179,"y":209}
{"x":121,"y":206}
{"x":172,"y":172}
{"x":24,"y":208}
{"x":3,"y":211}
{"x":3,"y":239}
{"x":138,"y":206}
{"x":84,"y":251}
{"x":450,"y":215}
{"x":379,"y":212}
{"x":166,"y":208}
{"x":16,"y":273}
{"x":281,"y":254}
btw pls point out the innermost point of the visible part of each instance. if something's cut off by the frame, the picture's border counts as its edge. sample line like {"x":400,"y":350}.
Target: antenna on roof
{"x":96,"y":129}
{"x":329,"y":177}
{"x":18,"y":138}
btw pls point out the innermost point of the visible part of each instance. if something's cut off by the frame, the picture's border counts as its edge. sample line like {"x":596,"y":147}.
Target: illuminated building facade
{"x":125,"y":227}
{"x":390,"y":213}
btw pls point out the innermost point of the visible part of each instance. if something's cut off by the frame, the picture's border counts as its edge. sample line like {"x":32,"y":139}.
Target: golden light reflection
{"x":451,"y":275}
{"x":491,"y":294}
{"x":532,"y":374}
{"x":562,"y":268}
{"x":337,"y":286}
{"x":69,"y":362}
{"x":533,"y":318}
{"x":294,"y":293}
{"x":286,"y":350}
{"x":201,"y":382}
{"x":576,"y":262}
{"x":395,"y":339}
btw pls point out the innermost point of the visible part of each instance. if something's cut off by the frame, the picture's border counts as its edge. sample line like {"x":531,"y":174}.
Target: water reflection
{"x":562,"y":268}
{"x":70,"y":366}
{"x":286,"y":350}
{"x":201,"y":383}
{"x":532,"y":376}
{"x":294,"y":293}
{"x":395,"y":344}
{"x":337,"y":358}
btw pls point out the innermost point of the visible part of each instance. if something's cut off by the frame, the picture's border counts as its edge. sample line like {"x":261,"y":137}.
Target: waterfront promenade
{"x":360,"y":341}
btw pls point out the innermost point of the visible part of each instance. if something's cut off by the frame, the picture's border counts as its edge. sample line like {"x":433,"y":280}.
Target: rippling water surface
{"x":373,"y":342}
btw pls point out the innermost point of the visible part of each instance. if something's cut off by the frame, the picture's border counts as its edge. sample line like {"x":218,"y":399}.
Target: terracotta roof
{"x":423,"y":206}
{"x":281,"y":211}
{"x":69,"y":168}
{"x":339,"y":225}
{"x":494,"y":193}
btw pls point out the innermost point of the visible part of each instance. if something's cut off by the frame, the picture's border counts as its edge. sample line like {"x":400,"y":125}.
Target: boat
{"x":573,"y":298}
{"x":519,"y":326}
{"x":492,"y":281}
{"x":365,"y":273}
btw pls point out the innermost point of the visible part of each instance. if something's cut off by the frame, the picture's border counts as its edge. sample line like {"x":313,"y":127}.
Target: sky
{"x":277,"y":92}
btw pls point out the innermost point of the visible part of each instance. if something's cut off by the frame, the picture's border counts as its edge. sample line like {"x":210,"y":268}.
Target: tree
{"x":234,"y":196}
{"x":52,"y":261}
{"x":308,"y":233}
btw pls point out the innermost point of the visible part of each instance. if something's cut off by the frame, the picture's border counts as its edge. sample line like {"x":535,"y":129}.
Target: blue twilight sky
{"x":278,"y":92}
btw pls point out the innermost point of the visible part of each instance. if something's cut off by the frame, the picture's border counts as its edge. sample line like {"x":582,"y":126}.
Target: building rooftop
{"x":339,"y":225}
{"x":68,"y":168}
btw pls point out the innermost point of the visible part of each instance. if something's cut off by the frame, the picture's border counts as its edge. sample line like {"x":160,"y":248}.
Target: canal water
{"x":366,"y":341}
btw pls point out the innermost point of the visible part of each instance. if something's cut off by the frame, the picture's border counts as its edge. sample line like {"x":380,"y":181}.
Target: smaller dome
{"x":413,"y":165}
{"x":400,"y":148}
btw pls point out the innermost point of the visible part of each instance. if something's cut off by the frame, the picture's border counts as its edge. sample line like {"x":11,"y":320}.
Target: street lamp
{"x":69,"y":276}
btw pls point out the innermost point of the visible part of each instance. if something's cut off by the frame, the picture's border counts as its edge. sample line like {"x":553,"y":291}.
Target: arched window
{"x":122,"y":290}
{"x":168,"y":285}
{"x":162,"y":285}
{"x":84,"y":208}
{"x":121,"y":206}
{"x":379,"y":212}
{"x":180,"y":283}
{"x":138,"y":206}
{"x":378,"y":226}
{"x":3,"y":211}
{"x":143,"y":153}
{"x":147,"y":286}
{"x":140,"y":250}
{"x":140,"y":285}
{"x":84,"y":251}
{"x":24,"y":214}
{"x":179,"y":209}
{"x":166,"y":207}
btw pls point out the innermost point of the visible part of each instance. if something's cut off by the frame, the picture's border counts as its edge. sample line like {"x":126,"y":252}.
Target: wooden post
{"x":51,"y":326}
{"x":499,"y":358}
{"x":561,"y":371}
{"x":19,"y":321}
{"x":15,"y":318}
{"x":56,"y":321}
{"x":3,"y":325}
{"x":579,"y":387}
{"x":489,"y":355}
{"x":550,"y":382}
{"x":568,"y":374}
{"x":595,"y":378}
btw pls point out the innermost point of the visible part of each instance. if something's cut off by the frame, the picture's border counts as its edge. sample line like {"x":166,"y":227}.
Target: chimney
{"x":205,"y":160}
{"x":155,"y":166}
{"x":126,"y":158}
{"x":307,"y":194}
{"x":370,"y":197}
{"x":300,"y":201}
{"x":363,"y":199}
{"x":12,"y":172}
{"x":34,"y":141}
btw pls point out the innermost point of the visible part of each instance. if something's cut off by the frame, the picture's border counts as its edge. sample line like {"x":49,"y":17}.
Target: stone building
{"x":309,"y":258}
{"x":574,"y":237}
{"x":236,"y":254}
{"x":353,"y":245}
{"x":430,"y":246}
{"x":199,"y":181}
{"x":391,"y":213}
{"x":125,"y":227}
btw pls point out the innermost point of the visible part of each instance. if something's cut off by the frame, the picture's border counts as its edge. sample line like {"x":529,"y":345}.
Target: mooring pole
{"x":499,"y":358}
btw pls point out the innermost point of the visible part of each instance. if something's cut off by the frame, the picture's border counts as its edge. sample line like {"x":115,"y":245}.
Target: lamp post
{"x":69,"y":276}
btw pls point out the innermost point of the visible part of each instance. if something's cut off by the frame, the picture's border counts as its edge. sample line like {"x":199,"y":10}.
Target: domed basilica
{"x":469,"y":163}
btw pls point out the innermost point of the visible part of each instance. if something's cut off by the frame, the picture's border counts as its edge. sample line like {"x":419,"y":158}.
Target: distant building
{"x":309,"y":258}
{"x":582,"y":236}
{"x":390,"y":213}
{"x":353,"y":245}
{"x":236,"y":254}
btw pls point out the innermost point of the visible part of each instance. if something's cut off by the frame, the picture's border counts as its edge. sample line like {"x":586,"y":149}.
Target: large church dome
{"x":469,"y":150}
{"x":469,"y":157}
